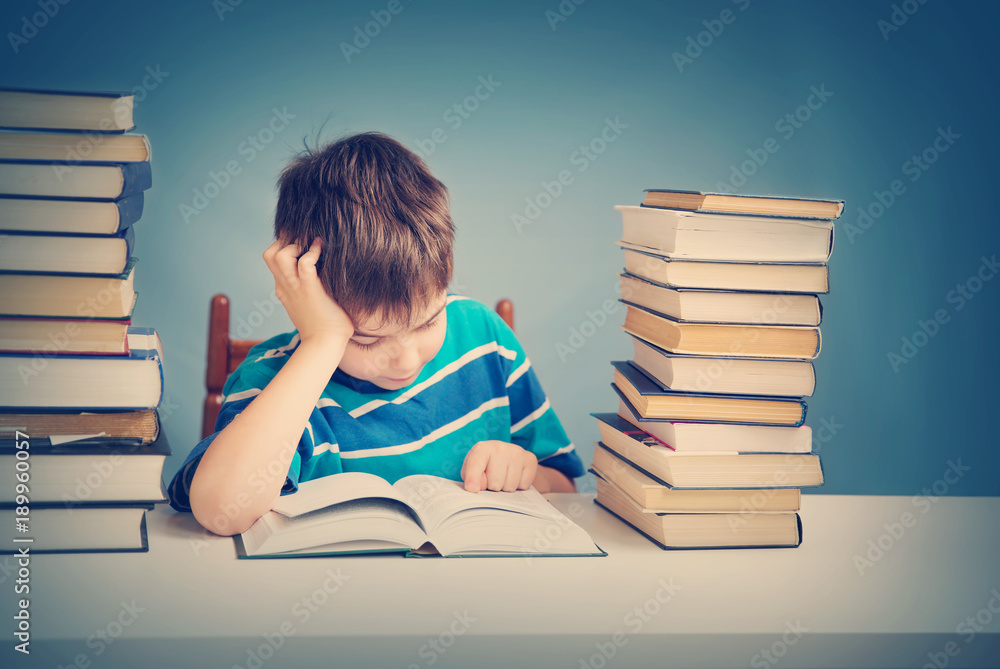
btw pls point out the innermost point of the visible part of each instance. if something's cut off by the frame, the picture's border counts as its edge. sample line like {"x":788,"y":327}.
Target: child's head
{"x":384,"y":224}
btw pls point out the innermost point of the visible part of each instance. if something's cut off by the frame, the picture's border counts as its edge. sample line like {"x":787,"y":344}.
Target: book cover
{"x":354,"y":512}
{"x":89,"y":445}
{"x":658,"y":479}
{"x":738,"y":340}
{"x":241,"y":553}
{"x":648,"y":388}
{"x":838,"y":205}
{"x":696,"y":235}
{"x":69,"y":216}
{"x":699,"y":548}
{"x":38,"y":180}
{"x":139,"y":545}
{"x":777,"y":302}
{"x":722,"y":361}
{"x":64,"y":148}
{"x":69,"y":255}
{"x":123,"y":276}
{"x":119,"y":107}
{"x":143,"y":344}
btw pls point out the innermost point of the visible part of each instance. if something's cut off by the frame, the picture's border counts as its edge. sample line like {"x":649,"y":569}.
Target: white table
{"x":640,"y":606}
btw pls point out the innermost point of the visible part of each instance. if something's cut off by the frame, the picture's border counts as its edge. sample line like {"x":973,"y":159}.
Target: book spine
{"x":129,"y":209}
{"x":138,"y":177}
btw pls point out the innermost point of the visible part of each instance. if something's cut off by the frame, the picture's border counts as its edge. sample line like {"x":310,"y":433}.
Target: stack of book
{"x":709,"y":448}
{"x":79,"y":432}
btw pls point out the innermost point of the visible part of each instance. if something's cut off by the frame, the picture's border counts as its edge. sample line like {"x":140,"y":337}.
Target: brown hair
{"x":383,"y":221}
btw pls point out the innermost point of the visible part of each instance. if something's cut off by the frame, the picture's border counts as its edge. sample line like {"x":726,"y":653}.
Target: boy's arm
{"x":539,"y":452}
{"x":259,"y":441}
{"x":548,"y":479}
{"x":264,"y":436}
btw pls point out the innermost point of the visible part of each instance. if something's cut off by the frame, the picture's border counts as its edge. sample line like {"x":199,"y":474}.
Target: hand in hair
{"x":311,"y":309}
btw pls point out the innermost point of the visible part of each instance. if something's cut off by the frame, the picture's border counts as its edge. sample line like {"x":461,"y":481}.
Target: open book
{"x":356,"y":512}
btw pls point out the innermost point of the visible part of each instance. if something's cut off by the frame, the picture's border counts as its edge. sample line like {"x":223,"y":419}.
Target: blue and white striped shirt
{"x":480,"y":386}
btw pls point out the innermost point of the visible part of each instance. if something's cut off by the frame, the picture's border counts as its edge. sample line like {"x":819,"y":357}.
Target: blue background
{"x":686,"y":124}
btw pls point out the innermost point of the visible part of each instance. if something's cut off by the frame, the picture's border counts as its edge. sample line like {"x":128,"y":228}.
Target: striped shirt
{"x":480,"y":386}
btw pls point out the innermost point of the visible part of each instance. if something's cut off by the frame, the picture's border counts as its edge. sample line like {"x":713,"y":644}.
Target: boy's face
{"x":392,"y":357}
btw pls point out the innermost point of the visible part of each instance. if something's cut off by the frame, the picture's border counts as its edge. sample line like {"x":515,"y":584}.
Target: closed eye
{"x":426,"y":326}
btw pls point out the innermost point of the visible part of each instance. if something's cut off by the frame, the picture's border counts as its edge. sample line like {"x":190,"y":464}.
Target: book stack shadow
{"x":80,"y":436}
{"x":709,"y":447}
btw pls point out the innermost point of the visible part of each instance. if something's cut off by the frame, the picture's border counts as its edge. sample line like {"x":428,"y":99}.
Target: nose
{"x":405,"y":355}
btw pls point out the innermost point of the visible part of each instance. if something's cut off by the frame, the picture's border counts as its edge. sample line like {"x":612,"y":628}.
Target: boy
{"x":385,"y":371}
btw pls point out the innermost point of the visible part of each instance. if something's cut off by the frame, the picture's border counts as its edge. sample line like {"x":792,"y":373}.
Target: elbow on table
{"x":225,"y":514}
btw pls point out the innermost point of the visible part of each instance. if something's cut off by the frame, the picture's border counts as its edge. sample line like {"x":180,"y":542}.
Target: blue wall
{"x":887,"y":94}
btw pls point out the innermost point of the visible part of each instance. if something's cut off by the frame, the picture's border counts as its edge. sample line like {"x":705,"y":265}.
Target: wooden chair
{"x":225,"y":354}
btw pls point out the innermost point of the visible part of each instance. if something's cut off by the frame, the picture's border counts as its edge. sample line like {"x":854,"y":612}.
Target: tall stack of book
{"x":80,"y":438}
{"x":709,"y":448}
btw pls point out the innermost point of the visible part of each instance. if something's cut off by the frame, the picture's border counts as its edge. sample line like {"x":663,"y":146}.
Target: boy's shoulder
{"x":262,"y":363}
{"x":470,"y":319}
{"x":470,"y":309}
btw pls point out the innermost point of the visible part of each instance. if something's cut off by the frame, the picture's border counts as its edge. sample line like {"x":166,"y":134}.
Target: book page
{"x":492,"y":532}
{"x":369,"y":519}
{"x":334,"y":489}
{"x":435,"y":499}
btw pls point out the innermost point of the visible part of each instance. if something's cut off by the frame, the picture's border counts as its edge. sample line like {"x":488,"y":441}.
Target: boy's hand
{"x":498,"y":465}
{"x":312,"y":311}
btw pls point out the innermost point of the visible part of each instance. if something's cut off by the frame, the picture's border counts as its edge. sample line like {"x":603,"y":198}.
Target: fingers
{"x":474,"y":468}
{"x":513,"y":477}
{"x":286,"y":262}
{"x":497,"y":465}
{"x":527,"y":476}
{"x":496,"y":473}
{"x":269,"y":252}
{"x":307,"y":261}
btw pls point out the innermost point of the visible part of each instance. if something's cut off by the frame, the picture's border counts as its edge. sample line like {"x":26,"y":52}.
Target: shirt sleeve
{"x":533,"y":422}
{"x":242,"y":386}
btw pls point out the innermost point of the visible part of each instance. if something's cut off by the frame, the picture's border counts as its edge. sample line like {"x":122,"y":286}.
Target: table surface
{"x":877,"y":581}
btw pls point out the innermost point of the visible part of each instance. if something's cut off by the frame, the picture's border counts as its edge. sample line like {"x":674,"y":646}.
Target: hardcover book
{"x":717,"y":437}
{"x":651,"y":401}
{"x":133,"y":381}
{"x":726,"y":237}
{"x":726,"y":340}
{"x":702,"y":530}
{"x":71,"y":148}
{"x":93,"y":255}
{"x":92,"y":468}
{"x":705,"y":469}
{"x":54,"y":527}
{"x":418,"y":515}
{"x":85,"y":181}
{"x":53,"y":428}
{"x":60,"y":336}
{"x":83,"y":217}
{"x":726,"y":375}
{"x":722,"y":306}
{"x":734,"y":203}
{"x":33,"y":109}
{"x":717,"y":275}
{"x":68,"y":295}
{"x":655,"y":496}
